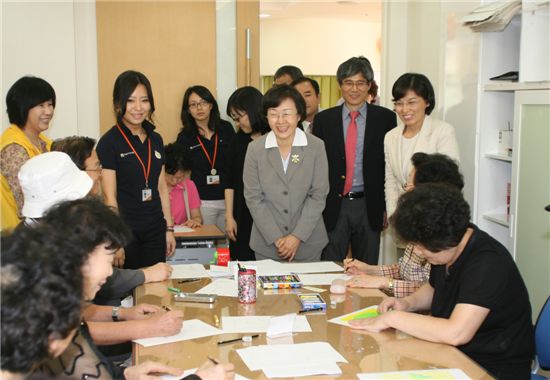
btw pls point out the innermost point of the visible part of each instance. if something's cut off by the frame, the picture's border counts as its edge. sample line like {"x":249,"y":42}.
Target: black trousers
{"x":353,"y":227}
{"x":147,"y":247}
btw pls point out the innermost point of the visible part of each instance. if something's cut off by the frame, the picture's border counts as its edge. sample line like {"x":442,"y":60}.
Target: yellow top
{"x":15,"y":135}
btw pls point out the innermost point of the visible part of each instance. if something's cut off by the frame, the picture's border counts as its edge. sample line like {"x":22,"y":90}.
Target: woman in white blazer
{"x":286,"y":183}
{"x":414,"y":100}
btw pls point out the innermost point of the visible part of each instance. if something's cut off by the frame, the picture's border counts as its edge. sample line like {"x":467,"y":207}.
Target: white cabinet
{"x":511,"y":190}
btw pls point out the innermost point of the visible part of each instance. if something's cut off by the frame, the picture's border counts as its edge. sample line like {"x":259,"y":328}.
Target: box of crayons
{"x":311,"y":301}
{"x":280,"y":281}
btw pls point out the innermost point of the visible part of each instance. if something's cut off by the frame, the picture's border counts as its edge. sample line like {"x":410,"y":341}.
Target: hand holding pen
{"x":212,"y":369}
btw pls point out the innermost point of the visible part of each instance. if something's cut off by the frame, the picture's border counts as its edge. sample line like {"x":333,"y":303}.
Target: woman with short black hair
{"x":414,"y":101}
{"x":286,"y":183}
{"x":132,"y":157}
{"x":476,"y":297}
{"x":30,"y":104}
{"x":206,"y":137}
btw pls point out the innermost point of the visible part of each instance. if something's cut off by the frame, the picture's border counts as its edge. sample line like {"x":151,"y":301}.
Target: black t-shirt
{"x":115,"y":154}
{"x":485,"y":275}
{"x":201,"y":166}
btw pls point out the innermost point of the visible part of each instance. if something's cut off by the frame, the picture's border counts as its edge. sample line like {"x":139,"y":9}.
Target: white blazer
{"x":435,"y":136}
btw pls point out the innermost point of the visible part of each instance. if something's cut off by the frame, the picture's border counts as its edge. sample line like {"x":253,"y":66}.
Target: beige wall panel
{"x":248,"y":17}
{"x":172,"y":42}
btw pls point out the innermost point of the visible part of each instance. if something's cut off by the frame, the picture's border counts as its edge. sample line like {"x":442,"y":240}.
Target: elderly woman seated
{"x":477,"y":299}
{"x":42,"y":296}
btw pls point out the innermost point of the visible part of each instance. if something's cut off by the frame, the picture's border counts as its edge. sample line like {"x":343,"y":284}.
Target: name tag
{"x":146,"y":195}
{"x":212,"y":179}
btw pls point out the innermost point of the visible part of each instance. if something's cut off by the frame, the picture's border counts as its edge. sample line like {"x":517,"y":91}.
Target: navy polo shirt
{"x":115,"y":154}
{"x":201,"y":167}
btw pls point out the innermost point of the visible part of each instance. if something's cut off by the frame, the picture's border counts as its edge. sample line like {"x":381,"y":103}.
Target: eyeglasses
{"x":409,"y":103}
{"x":360,"y":84}
{"x":237,"y":118}
{"x":99,"y":168}
{"x":285,"y":115}
{"x":201,"y":103}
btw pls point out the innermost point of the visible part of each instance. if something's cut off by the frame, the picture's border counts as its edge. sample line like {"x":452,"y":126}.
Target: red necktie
{"x":351,"y":142}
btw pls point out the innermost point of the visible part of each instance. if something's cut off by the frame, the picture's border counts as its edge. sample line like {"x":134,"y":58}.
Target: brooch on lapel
{"x":295,"y":158}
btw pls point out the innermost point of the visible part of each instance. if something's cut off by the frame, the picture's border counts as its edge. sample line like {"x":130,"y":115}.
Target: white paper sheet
{"x":223,"y":287}
{"x":314,"y":358}
{"x":182,"y":228}
{"x":443,"y":373}
{"x":259,"y":324}
{"x":318,"y":267}
{"x":188,"y":372}
{"x":281,"y":325}
{"x":188,"y":271}
{"x":322,"y":278}
{"x":217,"y":271}
{"x":298,"y":370}
{"x":313,"y":289}
{"x":191,"y":329}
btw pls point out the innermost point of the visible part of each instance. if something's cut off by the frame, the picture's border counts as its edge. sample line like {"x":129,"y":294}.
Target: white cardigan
{"x":435,"y":136}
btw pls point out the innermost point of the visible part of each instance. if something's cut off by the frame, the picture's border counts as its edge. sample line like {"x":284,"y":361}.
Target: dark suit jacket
{"x":327,"y":125}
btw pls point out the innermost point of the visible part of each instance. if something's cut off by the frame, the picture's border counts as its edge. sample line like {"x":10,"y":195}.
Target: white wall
{"x":316,"y":46}
{"x":54,"y":41}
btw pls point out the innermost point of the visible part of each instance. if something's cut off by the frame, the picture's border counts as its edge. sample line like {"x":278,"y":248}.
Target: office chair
{"x":542,"y":342}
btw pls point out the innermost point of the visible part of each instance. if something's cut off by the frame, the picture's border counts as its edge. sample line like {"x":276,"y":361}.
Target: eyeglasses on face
{"x":201,"y":103}
{"x":360,"y":84}
{"x":284,"y":115}
{"x":98,"y":168}
{"x":409,"y":103}
{"x":237,"y":117}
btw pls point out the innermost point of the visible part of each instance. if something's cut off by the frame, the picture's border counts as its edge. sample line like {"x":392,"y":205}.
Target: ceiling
{"x":368,"y":10}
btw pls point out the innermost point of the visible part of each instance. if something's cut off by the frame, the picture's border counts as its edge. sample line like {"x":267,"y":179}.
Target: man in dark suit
{"x":354,"y":140}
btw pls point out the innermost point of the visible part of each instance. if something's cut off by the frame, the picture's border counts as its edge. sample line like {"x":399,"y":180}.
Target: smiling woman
{"x":31,"y":103}
{"x":132,"y":158}
{"x":286,"y":183}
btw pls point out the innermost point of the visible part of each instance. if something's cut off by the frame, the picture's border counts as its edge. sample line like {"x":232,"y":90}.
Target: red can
{"x":223,"y":256}
{"x":247,"y":286}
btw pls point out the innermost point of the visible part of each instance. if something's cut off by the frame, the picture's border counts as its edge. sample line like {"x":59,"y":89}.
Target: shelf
{"x":498,"y":156}
{"x":515,"y":86}
{"x":501,"y":219}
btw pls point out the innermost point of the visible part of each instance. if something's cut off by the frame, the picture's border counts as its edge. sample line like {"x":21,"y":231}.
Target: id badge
{"x":212,"y":179}
{"x":146,"y":195}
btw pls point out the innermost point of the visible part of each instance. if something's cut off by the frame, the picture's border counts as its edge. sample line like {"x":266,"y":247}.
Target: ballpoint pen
{"x":239,"y":339}
{"x":213,"y":360}
{"x":188,"y":280}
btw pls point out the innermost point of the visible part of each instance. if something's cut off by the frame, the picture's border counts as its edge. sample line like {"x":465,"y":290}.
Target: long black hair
{"x":188,"y":122}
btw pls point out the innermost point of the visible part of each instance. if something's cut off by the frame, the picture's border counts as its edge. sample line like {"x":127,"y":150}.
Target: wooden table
{"x":365,"y":352}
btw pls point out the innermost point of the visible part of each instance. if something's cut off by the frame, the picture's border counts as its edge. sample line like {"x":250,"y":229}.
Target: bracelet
{"x":169,"y":228}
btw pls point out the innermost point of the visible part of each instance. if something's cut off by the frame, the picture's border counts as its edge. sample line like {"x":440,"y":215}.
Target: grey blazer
{"x":287,"y":203}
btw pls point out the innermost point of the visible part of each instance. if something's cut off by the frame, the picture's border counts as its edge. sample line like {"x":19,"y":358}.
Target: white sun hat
{"x":50,"y":178}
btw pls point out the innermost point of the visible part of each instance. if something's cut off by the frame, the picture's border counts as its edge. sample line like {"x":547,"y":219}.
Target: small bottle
{"x":247,"y":286}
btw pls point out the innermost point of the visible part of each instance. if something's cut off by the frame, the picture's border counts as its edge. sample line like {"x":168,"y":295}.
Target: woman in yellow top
{"x":30,"y":102}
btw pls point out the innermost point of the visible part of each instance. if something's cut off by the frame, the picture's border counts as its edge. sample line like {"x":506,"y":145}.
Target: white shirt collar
{"x":300,"y":139}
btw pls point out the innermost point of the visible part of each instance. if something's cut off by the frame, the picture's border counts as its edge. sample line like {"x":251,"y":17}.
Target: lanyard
{"x":147,"y":171}
{"x":210,"y":160}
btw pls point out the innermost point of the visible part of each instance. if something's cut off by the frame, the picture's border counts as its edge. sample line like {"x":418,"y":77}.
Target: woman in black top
{"x":206,"y":136}
{"x":132,"y":157}
{"x":244,"y":107}
{"x":477,"y":299}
